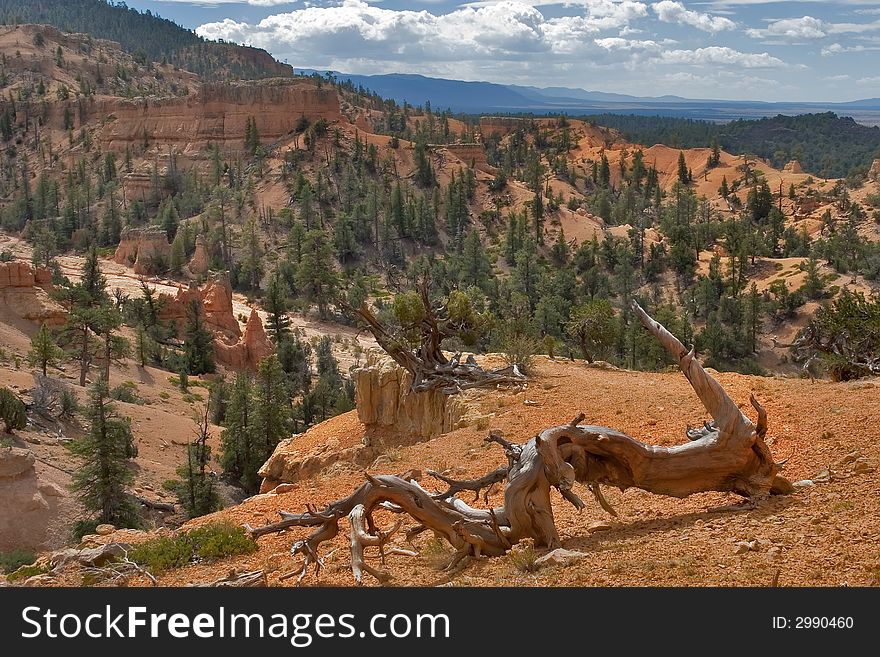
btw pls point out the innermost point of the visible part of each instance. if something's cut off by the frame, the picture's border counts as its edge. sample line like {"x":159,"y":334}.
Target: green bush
{"x":126,"y":392}
{"x":207,"y":543}
{"x":12,"y":411}
{"x":83,"y":527}
{"x":12,"y":561}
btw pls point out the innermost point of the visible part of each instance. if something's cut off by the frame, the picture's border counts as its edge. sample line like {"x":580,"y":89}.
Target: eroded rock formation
{"x":247,"y":353}
{"x":793,"y":166}
{"x":146,"y":250}
{"x":390,"y":415}
{"x":28,"y":504}
{"x":384,"y":401}
{"x":218,"y":113}
{"x":200,"y":262}
{"x":216,"y":299}
{"x":24,"y":290}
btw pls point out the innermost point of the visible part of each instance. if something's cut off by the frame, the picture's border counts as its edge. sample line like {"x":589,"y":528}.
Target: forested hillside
{"x":147,"y":36}
{"x":825,"y":144}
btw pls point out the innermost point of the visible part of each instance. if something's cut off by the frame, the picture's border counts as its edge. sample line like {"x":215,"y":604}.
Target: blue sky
{"x":733,"y":49}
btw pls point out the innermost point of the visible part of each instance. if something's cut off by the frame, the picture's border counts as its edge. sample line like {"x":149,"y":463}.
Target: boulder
{"x":14,"y":461}
{"x":560,"y":557}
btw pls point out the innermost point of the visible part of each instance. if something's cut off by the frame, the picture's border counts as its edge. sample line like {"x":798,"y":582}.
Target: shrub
{"x":525,"y":560}
{"x":12,"y":561}
{"x":12,"y":411}
{"x":206,"y":543}
{"x":127,"y":392}
{"x":519,"y":350}
{"x":68,"y":402}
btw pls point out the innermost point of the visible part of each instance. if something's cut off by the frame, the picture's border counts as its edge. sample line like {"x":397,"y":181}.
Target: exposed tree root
{"x":728,"y":455}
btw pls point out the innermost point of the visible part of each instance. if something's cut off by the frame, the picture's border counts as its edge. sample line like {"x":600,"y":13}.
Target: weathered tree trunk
{"x":729,"y":456}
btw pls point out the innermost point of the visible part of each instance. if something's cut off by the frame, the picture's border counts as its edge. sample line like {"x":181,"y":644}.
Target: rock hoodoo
{"x":216,"y":298}
{"x":874,"y":172}
{"x":28,"y":504}
{"x":146,"y":250}
{"x":200,"y":262}
{"x":793,"y":166}
{"x":389,"y":415}
{"x":24,"y":290}
{"x":247,"y":353}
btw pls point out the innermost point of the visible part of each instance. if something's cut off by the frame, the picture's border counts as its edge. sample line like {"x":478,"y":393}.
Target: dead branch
{"x":728,"y":455}
{"x":250,"y":579}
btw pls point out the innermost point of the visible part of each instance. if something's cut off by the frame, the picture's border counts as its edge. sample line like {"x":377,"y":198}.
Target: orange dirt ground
{"x":824,"y":535}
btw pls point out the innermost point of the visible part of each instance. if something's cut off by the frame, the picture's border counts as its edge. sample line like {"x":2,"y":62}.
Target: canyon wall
{"x":218,"y":112}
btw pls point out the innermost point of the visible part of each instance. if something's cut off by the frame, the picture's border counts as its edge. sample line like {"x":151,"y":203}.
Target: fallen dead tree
{"x":428,"y":365}
{"x":728,"y":455}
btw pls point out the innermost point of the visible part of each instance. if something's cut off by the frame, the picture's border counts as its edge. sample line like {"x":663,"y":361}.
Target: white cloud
{"x":253,"y":3}
{"x":873,"y":81}
{"x":836,"y":49}
{"x":357,"y":30}
{"x":669,"y":11}
{"x":722,"y":55}
{"x":792,"y":29}
{"x":836,"y":78}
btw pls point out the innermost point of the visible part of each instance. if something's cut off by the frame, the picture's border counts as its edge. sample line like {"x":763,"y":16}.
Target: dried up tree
{"x":727,"y":455}
{"x":428,"y":365}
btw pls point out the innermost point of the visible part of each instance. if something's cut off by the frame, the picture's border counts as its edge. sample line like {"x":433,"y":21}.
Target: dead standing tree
{"x":428,"y":365}
{"x":728,"y":455}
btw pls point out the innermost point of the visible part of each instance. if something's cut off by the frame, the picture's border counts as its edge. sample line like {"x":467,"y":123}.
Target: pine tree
{"x":238,"y":438}
{"x":195,"y":489}
{"x":684,"y":175}
{"x":275,"y":304}
{"x":44,"y":351}
{"x":101,"y":480}
{"x":271,"y":417}
{"x":198,"y":344}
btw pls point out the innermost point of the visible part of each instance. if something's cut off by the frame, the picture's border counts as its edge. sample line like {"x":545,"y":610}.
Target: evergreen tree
{"x":198,"y":345}
{"x":195,"y":490}
{"x":271,"y":417}
{"x":100,"y":482}
{"x":592,"y":326}
{"x":44,"y":351}
{"x":275,"y":304}
{"x":237,"y":439}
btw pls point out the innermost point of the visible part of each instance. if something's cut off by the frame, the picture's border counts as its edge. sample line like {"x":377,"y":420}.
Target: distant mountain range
{"x":488,"y":97}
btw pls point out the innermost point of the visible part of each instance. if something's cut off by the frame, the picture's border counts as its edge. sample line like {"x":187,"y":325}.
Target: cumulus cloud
{"x":669,"y":11}
{"x":505,"y":41}
{"x":722,"y":55}
{"x":792,"y":29}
